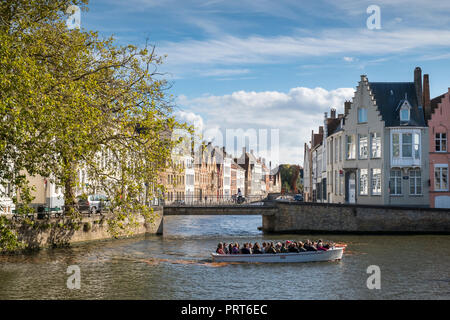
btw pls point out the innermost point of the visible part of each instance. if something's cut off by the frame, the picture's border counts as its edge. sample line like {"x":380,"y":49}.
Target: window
{"x":363,"y":182}
{"x":335,"y":182}
{"x":376,"y":145}
{"x":404,"y":114}
{"x":416,"y":146}
{"x":441,"y":142}
{"x":341,"y":184}
{"x":395,"y":182}
{"x":362,"y":115}
{"x":396,"y":145}
{"x":340,"y":149}
{"x":415,"y":182}
{"x":441,"y":177}
{"x":363,"y":147}
{"x":376,"y":181}
{"x":406,"y":145}
{"x":335,"y":150}
{"x":351,"y":147}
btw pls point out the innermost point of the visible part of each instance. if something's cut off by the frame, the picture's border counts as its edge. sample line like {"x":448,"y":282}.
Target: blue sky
{"x":279,"y":64}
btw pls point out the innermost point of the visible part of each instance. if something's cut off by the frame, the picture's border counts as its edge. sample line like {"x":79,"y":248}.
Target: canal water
{"x":178,"y":266}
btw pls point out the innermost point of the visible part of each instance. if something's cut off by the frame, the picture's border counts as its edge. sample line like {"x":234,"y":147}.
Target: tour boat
{"x":331,"y":254}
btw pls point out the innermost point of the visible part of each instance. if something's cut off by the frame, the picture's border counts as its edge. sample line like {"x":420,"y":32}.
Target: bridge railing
{"x":214,"y":201}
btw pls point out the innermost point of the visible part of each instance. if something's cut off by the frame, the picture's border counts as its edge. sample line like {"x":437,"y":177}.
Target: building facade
{"x":438,"y":114}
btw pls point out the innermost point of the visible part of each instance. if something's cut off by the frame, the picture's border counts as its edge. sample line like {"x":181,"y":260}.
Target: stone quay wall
{"x":304,"y":217}
{"x":62,"y":231}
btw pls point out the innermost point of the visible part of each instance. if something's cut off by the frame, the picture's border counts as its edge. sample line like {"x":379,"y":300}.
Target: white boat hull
{"x":309,"y":256}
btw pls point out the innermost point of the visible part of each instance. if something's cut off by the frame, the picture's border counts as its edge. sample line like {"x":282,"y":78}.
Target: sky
{"x":272,"y":68}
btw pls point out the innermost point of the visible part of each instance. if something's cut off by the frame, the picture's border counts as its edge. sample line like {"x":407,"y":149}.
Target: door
{"x":352,"y":188}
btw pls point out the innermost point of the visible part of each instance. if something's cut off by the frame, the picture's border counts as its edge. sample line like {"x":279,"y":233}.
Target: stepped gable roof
{"x":436,"y":101}
{"x":389,"y":95}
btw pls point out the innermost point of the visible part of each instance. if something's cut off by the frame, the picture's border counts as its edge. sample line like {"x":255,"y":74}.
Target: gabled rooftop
{"x":389,"y":95}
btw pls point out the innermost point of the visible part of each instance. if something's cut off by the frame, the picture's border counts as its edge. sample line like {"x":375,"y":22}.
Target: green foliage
{"x":70,"y":100}
{"x":290,"y":178}
{"x":8,"y":237}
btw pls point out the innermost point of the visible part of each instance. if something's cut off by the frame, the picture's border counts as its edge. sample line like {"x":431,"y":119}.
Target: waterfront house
{"x":386,"y":144}
{"x":335,"y":159}
{"x":307,"y":168}
{"x":437,"y":112}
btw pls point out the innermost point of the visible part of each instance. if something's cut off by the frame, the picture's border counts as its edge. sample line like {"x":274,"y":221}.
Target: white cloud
{"x":294,"y":113}
{"x":184,"y":56}
{"x":349,"y":59}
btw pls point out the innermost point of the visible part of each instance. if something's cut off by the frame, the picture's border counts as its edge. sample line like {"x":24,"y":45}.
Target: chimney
{"x":418,"y":84}
{"x":347,"y":105}
{"x":426,"y":97}
{"x":333,"y":113}
{"x":321,"y":130}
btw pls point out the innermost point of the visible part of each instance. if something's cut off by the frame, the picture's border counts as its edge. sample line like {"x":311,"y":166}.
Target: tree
{"x":71,"y":100}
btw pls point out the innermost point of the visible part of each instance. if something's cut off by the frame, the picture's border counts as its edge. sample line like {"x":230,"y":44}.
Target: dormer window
{"x":405,"y":112}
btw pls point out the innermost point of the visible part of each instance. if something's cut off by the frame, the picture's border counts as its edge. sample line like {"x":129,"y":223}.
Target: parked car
{"x":93,"y":203}
{"x":298,"y":197}
{"x":179,"y":202}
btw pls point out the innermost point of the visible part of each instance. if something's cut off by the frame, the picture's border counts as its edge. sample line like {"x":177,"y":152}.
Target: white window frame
{"x":375,"y":136}
{"x":415,"y":179}
{"x":440,"y":139}
{"x":363,"y":189}
{"x":362,"y":148}
{"x":377,"y":190}
{"x":351,"y":145}
{"x":440,"y":167}
{"x":393,"y":180}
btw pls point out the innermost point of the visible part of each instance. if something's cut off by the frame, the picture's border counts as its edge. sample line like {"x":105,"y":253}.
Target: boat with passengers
{"x":280,"y":253}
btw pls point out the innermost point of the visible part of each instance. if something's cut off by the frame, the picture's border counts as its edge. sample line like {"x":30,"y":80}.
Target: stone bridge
{"x":242,"y":210}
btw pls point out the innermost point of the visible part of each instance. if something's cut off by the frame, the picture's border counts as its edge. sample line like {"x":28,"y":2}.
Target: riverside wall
{"x":305,"y":217}
{"x":62,"y":231}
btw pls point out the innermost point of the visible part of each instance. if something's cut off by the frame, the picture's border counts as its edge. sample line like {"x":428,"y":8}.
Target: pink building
{"x":437,"y":112}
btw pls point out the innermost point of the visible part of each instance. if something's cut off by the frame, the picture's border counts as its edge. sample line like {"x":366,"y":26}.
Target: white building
{"x":227,"y":177}
{"x":189,"y":176}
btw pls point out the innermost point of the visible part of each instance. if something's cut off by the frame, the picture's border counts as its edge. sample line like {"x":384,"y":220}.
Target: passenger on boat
{"x":245,"y":249}
{"x":220,"y":249}
{"x":225,"y":248}
{"x":264,"y":247}
{"x":300,"y":247}
{"x":283,"y":248}
{"x":271,"y":248}
{"x":309,"y":246}
{"x":320,"y":246}
{"x":257,"y":249}
{"x":230,"y":248}
{"x":293,"y":248}
{"x":235,"y":248}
